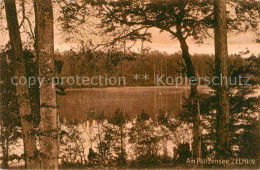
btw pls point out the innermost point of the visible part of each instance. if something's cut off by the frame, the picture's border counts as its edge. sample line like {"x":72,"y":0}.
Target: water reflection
{"x":77,"y":103}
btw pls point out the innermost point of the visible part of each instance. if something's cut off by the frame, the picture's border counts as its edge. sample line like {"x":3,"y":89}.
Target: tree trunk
{"x":35,"y":91}
{"x":49,"y":143}
{"x":31,"y":68}
{"x":29,"y":139}
{"x":5,"y":147}
{"x":221,"y":67}
{"x":196,"y":132}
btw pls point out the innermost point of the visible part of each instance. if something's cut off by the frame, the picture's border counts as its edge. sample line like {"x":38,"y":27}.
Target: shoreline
{"x":131,"y":87}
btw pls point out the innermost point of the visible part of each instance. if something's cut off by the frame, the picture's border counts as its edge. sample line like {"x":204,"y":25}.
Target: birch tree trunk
{"x":49,"y":143}
{"x":29,"y":139}
{"x":221,"y":64}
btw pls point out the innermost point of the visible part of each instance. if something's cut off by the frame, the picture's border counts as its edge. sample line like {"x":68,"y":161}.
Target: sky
{"x":161,"y":42}
{"x":236,"y":43}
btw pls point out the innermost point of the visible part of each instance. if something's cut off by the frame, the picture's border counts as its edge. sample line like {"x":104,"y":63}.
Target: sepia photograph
{"x":130,"y":84}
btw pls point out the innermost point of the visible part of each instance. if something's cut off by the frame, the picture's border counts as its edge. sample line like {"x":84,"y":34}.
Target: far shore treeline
{"x":91,"y":63}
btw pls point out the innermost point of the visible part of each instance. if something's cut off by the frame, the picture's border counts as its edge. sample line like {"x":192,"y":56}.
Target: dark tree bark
{"x":31,"y":68}
{"x":196,"y":131}
{"x":29,"y":139}
{"x":35,"y":91}
{"x":5,"y":148}
{"x":49,"y":142}
{"x":221,"y":67}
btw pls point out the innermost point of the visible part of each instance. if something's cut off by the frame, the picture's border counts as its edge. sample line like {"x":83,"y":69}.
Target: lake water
{"x":77,"y":103}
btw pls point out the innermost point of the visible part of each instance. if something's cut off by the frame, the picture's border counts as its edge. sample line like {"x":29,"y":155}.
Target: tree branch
{"x":27,"y":19}
{"x":120,"y":37}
